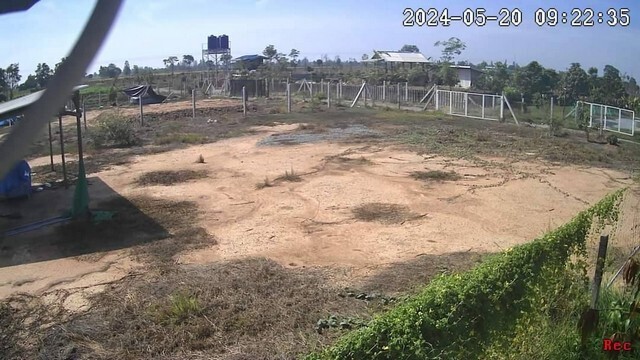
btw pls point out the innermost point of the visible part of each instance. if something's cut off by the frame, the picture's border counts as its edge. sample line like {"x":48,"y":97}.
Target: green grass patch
{"x":178,"y":309}
{"x":181,"y":138}
{"x":95,"y":89}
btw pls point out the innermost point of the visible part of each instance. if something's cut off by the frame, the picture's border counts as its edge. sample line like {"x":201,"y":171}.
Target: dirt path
{"x":317,"y":220}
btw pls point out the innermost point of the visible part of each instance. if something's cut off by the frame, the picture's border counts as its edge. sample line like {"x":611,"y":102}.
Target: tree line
{"x":531,"y":83}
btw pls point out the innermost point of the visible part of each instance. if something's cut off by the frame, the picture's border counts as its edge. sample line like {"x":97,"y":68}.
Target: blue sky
{"x":147,"y":31}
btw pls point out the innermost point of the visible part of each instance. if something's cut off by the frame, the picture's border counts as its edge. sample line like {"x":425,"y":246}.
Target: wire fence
{"x":334,"y":91}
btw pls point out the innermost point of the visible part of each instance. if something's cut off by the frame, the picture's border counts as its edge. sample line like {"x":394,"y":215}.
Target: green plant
{"x":179,"y":308}
{"x":113,"y":129}
{"x":461,"y":315}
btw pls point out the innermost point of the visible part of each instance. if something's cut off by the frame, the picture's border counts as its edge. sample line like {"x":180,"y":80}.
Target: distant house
{"x":392,"y":59}
{"x":467,"y":75}
{"x":249,"y":62}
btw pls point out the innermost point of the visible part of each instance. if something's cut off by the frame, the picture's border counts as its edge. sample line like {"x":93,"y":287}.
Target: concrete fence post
{"x":244,"y":101}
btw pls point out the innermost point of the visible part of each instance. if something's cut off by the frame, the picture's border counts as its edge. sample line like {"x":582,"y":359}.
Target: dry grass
{"x":168,"y":177}
{"x":383,"y":213}
{"x":251,"y":309}
{"x":340,"y":159}
{"x":290,"y":176}
{"x":200,"y":159}
{"x":264,"y":184}
{"x":437,"y":175}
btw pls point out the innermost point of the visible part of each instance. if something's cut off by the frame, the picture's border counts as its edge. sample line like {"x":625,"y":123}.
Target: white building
{"x":467,"y":75}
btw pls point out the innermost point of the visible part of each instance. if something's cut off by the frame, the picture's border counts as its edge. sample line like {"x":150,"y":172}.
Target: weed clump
{"x":113,"y":129}
{"x":264,"y":184}
{"x":436,"y":175}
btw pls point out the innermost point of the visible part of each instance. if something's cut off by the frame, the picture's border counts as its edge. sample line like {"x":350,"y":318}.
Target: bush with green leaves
{"x":113,"y":129}
{"x":465,"y":315}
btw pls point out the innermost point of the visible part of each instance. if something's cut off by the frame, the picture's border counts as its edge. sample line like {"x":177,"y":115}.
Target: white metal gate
{"x":609,"y":118}
{"x":468,"y":104}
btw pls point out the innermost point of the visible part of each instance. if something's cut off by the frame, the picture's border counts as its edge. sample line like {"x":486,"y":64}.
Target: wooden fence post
{"x":193,"y":100}
{"x":141,"y":112}
{"x":288,"y":97}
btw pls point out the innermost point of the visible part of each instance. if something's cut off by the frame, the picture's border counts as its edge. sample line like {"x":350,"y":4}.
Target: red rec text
{"x":610,"y":345}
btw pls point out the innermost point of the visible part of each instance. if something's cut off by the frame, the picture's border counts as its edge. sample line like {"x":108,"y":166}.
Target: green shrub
{"x":178,"y":309}
{"x":463,"y":315}
{"x":113,"y":129}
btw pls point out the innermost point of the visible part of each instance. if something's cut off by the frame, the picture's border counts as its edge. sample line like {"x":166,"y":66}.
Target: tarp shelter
{"x":17,"y":183}
{"x":144,"y":92}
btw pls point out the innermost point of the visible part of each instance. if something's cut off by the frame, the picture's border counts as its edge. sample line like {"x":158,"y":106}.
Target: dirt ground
{"x":350,"y":201}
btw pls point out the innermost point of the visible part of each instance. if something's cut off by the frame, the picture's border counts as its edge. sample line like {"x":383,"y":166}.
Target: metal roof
{"x":249,"y":58}
{"x":15,"y":106}
{"x":472,"y":68}
{"x":398,"y":56}
{"x":9,"y":6}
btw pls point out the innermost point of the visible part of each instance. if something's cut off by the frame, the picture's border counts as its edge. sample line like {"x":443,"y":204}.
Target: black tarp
{"x":145,"y":92}
{"x":253,"y":88}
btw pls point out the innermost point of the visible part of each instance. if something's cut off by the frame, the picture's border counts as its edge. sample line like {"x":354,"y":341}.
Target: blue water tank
{"x":213,"y":43}
{"x":224,"y":42}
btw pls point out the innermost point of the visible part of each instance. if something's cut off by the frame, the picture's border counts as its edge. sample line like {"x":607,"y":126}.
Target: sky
{"x":147,"y":31}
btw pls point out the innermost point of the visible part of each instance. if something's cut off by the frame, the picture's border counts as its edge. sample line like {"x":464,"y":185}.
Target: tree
{"x":448,"y":75}
{"x":530,"y":80}
{"x":482,"y":65}
{"x":12,"y":75}
{"x":612,"y":86}
{"x":338,"y":61}
{"x":410,"y":49}
{"x":451,"y":48}
{"x":55,"y":68}
{"x":126,"y":70}
{"x":170,"y":62}
{"x":365,"y":57}
{"x":110,"y":71}
{"x":43,"y":74}
{"x":631,"y":86}
{"x":136,"y":70}
{"x":270,"y":52}
{"x":293,"y":54}
{"x":188,"y":60}
{"x":30,"y":84}
{"x":226,"y":59}
{"x":575,"y":83}
{"x":4,"y":86}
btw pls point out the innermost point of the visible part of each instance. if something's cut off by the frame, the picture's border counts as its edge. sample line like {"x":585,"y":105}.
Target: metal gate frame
{"x":602,"y":121}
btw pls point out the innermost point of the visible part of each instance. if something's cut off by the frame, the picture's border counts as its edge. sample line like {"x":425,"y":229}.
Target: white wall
{"x":464,"y":75}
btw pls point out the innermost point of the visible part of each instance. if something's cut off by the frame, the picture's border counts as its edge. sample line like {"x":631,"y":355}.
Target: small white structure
{"x":399,"y":57}
{"x":467,"y":75}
